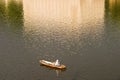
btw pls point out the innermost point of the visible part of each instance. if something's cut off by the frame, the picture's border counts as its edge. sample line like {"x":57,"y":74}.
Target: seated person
{"x":57,"y":63}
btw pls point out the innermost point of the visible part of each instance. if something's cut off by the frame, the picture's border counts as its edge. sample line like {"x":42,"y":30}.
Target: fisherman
{"x":57,"y":63}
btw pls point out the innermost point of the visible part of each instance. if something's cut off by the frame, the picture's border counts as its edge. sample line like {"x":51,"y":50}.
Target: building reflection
{"x":114,"y":8}
{"x":2,"y":12}
{"x":12,"y":12}
{"x":112,"y":11}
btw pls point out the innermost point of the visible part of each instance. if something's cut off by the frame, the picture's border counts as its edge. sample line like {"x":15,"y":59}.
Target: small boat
{"x":52,"y":64}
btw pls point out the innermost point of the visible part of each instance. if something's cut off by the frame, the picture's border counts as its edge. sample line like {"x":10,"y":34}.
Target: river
{"x":83,"y":34}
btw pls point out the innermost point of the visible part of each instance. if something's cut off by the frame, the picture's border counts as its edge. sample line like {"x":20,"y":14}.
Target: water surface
{"x":83,"y":34}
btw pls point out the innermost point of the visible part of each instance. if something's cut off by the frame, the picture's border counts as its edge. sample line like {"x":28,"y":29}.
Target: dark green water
{"x":83,"y":34}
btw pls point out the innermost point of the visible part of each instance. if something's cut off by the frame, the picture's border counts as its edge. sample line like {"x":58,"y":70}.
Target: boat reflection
{"x":58,"y":71}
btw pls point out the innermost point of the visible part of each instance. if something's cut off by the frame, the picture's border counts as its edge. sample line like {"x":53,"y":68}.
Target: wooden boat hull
{"x":51,"y":64}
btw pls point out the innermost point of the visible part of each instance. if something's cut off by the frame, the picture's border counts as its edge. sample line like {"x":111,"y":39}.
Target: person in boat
{"x":57,"y":63}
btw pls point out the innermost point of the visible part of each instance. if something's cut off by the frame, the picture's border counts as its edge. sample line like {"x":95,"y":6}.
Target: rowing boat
{"x":51,"y":64}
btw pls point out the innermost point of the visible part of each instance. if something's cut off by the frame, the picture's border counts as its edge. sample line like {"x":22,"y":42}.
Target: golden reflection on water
{"x":71,"y":13}
{"x":61,"y":20}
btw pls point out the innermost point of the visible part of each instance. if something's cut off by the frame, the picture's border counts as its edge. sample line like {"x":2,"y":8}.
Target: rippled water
{"x":83,"y":34}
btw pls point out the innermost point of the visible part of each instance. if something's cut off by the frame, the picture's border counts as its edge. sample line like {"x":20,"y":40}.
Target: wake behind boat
{"x":56,"y":64}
